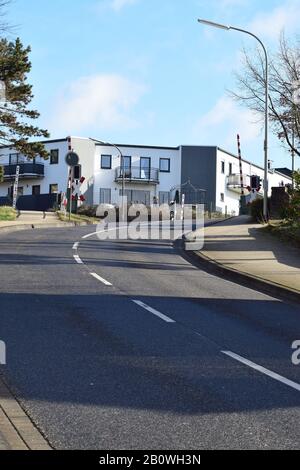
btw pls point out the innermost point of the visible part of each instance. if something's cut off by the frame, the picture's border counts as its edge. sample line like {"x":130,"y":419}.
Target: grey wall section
{"x":198,"y":164}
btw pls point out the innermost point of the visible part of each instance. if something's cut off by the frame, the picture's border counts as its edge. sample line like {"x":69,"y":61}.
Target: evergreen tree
{"x":16,"y":127}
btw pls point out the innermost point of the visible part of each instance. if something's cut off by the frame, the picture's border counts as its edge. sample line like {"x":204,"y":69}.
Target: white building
{"x":204,"y":174}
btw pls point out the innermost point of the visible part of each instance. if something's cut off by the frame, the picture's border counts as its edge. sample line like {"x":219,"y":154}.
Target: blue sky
{"x":144,"y":71}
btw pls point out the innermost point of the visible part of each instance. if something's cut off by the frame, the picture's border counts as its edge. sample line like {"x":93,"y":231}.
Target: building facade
{"x":207,"y":175}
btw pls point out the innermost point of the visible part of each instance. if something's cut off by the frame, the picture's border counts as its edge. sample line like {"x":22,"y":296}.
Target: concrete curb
{"x":17,"y":429}
{"x":16,"y":228}
{"x":244,"y":279}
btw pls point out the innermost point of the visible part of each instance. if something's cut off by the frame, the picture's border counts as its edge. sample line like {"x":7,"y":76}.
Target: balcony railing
{"x":234,"y":182}
{"x":27,"y":171}
{"x":138,"y":175}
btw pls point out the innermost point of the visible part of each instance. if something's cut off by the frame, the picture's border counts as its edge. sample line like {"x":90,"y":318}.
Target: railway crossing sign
{"x":72,"y":159}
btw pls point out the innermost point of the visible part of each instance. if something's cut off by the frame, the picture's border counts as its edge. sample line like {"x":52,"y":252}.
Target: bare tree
{"x":284,"y":108}
{"x":5,"y":27}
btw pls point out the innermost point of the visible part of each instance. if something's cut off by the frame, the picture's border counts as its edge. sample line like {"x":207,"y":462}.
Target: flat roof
{"x":253,"y":164}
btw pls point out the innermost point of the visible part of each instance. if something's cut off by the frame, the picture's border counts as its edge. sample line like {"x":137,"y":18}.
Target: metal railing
{"x":35,"y":170}
{"x":138,"y":174}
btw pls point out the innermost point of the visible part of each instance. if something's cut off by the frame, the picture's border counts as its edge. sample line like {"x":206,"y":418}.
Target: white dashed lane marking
{"x":154,"y":312}
{"x":101,"y":279}
{"x":263,"y":370}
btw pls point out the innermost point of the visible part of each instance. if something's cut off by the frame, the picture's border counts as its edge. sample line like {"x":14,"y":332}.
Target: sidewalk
{"x":29,"y":219}
{"x":242,"y":247}
{"x":17,"y":432}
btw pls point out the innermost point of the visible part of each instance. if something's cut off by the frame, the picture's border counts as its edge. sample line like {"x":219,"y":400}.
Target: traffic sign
{"x":72,"y":159}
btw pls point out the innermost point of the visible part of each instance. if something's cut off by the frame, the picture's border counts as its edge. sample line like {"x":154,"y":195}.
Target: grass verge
{"x":7,"y":213}
{"x":285,"y":231}
{"x":77,"y":218}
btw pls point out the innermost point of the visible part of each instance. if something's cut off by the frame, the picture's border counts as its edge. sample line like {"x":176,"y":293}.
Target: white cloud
{"x":98,"y":102}
{"x":224,"y":121}
{"x":117,"y":5}
{"x":271,"y":23}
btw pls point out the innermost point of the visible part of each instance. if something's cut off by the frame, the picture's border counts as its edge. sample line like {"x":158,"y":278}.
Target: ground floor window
{"x":105,"y":196}
{"x":164,"y":197}
{"x":222,"y":197}
{"x":137,"y":196}
{"x":36,"y":190}
{"x":53,"y":188}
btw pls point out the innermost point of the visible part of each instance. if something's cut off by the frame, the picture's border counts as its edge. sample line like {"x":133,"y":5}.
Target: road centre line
{"x":153,"y":311}
{"x":263,"y":370}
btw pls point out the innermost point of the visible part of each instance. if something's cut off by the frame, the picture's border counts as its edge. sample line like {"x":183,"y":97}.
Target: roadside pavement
{"x":33,"y":219}
{"x":17,"y":432}
{"x":242,"y":247}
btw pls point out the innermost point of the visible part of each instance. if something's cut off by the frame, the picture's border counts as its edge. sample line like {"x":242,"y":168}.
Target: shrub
{"x":89,"y":211}
{"x":7,"y":213}
{"x":257,"y":209}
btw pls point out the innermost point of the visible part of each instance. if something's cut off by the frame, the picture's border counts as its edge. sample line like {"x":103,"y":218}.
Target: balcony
{"x":27,"y":171}
{"x":234,"y":183}
{"x":138,"y":175}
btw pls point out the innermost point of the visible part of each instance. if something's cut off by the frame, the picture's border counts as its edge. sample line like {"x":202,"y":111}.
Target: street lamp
{"x":266,"y":183}
{"x":109,"y":144}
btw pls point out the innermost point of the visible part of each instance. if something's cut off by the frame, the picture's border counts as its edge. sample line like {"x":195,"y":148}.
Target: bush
{"x":7,"y":213}
{"x":89,"y":211}
{"x":292,"y":212}
{"x":257,"y":209}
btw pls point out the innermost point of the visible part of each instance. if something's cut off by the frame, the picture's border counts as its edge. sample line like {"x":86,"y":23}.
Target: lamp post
{"x":109,"y":144}
{"x":266,"y":143}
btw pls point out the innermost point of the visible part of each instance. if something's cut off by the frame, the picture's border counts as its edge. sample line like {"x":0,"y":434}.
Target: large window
{"x":53,"y":188}
{"x":13,"y":158}
{"x":105,"y":196}
{"x":127,"y":166}
{"x":145,"y":168}
{"x":164,"y":165}
{"x":106,"y":161}
{"x":54,"y":157}
{"x":164,"y":197}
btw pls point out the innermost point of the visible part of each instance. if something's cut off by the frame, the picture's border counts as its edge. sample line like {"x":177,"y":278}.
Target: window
{"x":164,"y":197}
{"x":53,"y":188}
{"x":164,"y":165}
{"x":36,"y":190}
{"x":20,"y":191}
{"x":223,"y":168}
{"x":137,"y":196}
{"x":127,"y":167}
{"x":222,"y":197}
{"x":54,"y":157}
{"x":106,"y":161}
{"x":230,"y":168}
{"x":145,"y":167}
{"x":13,"y":158}
{"x":105,"y":196}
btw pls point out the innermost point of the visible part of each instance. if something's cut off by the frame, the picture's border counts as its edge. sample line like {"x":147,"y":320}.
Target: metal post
{"x":293,"y":153}
{"x":266,"y":142}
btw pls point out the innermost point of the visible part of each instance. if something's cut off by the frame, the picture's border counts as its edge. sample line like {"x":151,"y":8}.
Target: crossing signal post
{"x":256,"y":183}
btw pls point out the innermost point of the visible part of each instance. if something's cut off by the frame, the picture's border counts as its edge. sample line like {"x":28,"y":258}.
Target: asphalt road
{"x":126,"y":345}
